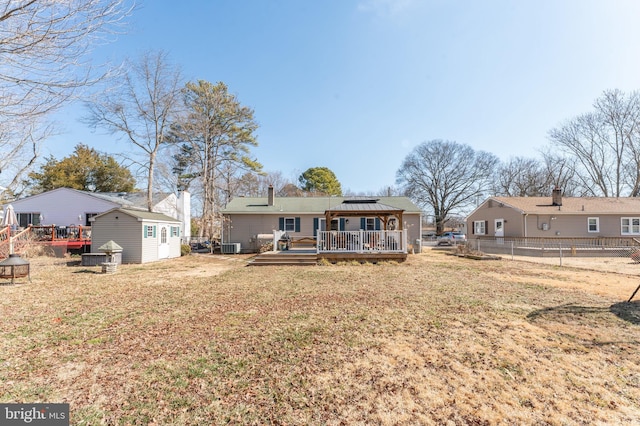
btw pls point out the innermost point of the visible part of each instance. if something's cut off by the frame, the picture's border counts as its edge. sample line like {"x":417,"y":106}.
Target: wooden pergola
{"x":365,"y":208}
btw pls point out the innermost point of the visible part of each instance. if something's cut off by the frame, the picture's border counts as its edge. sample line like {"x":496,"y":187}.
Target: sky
{"x":355,"y":85}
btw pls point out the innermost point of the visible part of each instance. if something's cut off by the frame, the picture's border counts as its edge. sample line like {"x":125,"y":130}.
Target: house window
{"x":88,"y":216}
{"x":479,"y":227}
{"x":163,"y":235}
{"x":593,"y":224}
{"x":289,"y":224}
{"x":335,"y":224}
{"x":26,"y":219}
{"x":149,"y":232}
{"x":174,"y":231}
{"x":630,"y":225}
{"x":370,"y":224}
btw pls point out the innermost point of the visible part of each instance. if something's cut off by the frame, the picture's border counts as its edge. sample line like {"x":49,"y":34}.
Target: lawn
{"x":435,"y":340}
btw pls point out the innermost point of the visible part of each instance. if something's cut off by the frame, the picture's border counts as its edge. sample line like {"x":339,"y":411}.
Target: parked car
{"x":429,"y":235}
{"x":452,"y":238}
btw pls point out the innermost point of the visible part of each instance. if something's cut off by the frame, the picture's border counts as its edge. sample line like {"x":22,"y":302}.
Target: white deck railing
{"x":362,"y":241}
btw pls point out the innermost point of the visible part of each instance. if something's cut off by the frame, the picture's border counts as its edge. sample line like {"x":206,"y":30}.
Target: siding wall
{"x":62,"y":206}
{"x":514,"y":226}
{"x":544,"y":225}
{"x":246,"y":226}
{"x":168,"y":206}
{"x":150,"y":245}
{"x":574,"y":225}
{"x":126,"y":231}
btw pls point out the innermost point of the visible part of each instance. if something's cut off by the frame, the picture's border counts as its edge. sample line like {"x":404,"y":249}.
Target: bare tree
{"x":252,"y":184}
{"x":44,"y":61}
{"x":20,"y":143}
{"x":605,"y":145}
{"x":446,"y":177}
{"x":520,"y":177}
{"x":560,"y":169}
{"x":141,"y":110}
{"x":290,"y":190}
{"x":385,"y":191}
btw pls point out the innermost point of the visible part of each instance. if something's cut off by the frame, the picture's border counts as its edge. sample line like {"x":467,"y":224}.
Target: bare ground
{"x":436,"y":340}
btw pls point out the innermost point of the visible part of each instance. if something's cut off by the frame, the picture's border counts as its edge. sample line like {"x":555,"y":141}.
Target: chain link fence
{"x":623,"y":258}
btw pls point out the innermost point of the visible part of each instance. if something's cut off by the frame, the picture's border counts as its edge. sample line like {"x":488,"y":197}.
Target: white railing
{"x":362,"y":241}
{"x":276,"y":238}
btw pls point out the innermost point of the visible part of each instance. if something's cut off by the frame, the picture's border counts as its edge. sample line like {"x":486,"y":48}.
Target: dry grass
{"x":435,"y":340}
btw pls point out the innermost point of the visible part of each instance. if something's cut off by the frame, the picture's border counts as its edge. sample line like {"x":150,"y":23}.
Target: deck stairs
{"x":289,"y":257}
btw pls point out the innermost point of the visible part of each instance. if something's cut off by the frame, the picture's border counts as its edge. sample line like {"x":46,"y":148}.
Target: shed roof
{"x":572,"y":205}
{"x":141,"y":215}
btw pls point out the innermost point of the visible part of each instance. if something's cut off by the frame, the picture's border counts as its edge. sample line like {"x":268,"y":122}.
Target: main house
{"x":250,"y":221}
{"x":555,"y":217}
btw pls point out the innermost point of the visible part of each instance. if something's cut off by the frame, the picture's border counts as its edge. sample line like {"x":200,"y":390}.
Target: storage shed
{"x":144,"y":236}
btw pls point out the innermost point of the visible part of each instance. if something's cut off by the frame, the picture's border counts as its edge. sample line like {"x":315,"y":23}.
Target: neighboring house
{"x":143,"y":236}
{"x":248,"y":218}
{"x":66,"y":206}
{"x":555,"y":217}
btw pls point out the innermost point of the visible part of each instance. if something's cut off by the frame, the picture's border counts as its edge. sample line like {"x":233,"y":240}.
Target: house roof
{"x":124,"y":199}
{"x":137,"y":199}
{"x":85,"y":193}
{"x":315,"y":205}
{"x":572,"y":205}
{"x":141,"y":215}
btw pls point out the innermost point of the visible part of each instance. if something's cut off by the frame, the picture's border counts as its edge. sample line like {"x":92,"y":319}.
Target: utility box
{"x":230,"y":248}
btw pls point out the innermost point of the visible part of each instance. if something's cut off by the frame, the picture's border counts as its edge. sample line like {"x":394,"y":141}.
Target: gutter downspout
{"x":525,"y":224}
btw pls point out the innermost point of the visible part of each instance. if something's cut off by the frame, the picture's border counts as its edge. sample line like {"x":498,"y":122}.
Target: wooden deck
{"x":60,"y":238}
{"x":371,"y":257}
{"x":310,"y":257}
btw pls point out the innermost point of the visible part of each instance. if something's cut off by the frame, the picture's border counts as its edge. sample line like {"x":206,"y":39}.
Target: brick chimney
{"x":270,"y":196}
{"x":556,"y":196}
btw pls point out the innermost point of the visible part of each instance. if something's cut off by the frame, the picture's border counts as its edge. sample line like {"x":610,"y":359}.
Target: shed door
{"x":163,"y":243}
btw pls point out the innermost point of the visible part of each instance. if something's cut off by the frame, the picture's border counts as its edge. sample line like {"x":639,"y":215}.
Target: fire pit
{"x":14,"y":267}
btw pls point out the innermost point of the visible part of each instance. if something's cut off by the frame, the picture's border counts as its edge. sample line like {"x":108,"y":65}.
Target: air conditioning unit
{"x":230,"y":248}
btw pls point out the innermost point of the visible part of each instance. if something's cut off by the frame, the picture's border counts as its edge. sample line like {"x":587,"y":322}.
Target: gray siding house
{"x":555,"y":217}
{"x":246,"y":219}
{"x":144,"y":236}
